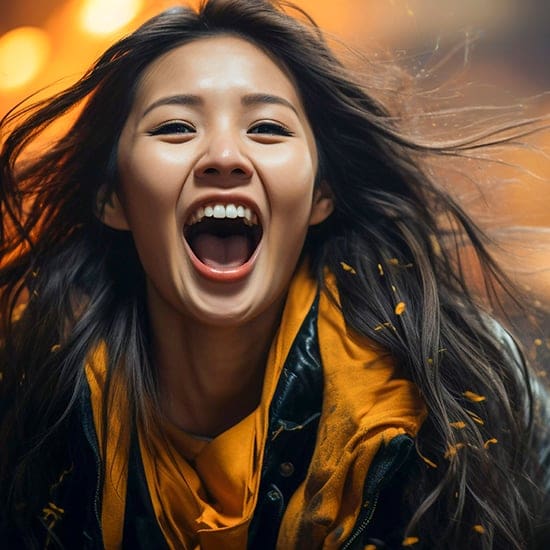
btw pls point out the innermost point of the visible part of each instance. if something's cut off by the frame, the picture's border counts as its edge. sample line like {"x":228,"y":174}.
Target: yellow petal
{"x":491,"y":441}
{"x":395,"y":261}
{"x":380,"y":270}
{"x":348,"y":268}
{"x":475,"y":418}
{"x":459,"y":425}
{"x":383,"y":325}
{"x":409,"y":541}
{"x":427,"y":460}
{"x":479,"y":529}
{"x":453,"y":449}
{"x":476,"y":398}
{"x":400,"y":308}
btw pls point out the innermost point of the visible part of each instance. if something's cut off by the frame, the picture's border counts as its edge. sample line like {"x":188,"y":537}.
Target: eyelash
{"x":172,"y":128}
{"x":272,"y":129}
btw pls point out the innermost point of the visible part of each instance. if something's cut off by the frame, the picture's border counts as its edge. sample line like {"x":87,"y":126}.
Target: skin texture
{"x":200,"y":132}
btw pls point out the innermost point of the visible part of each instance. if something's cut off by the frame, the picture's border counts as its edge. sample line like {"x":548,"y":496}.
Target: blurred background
{"x":500,"y":49}
{"x":508,"y":41}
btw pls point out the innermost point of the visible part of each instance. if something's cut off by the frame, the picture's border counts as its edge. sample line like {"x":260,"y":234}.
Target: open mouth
{"x":223,"y":237}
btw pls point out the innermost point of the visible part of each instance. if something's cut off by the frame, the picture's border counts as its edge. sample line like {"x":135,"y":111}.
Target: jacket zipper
{"x":359,"y":529}
{"x":383,"y":471}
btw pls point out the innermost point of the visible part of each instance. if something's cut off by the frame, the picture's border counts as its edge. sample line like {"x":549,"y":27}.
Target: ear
{"x":109,"y":209}
{"x":323,"y":204}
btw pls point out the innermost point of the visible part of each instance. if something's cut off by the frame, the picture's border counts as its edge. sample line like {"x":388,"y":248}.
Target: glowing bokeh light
{"x":24,"y":52}
{"x":107,"y":16}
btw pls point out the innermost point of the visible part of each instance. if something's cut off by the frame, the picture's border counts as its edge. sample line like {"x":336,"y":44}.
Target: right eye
{"x":270,"y":129}
{"x":174,"y":127}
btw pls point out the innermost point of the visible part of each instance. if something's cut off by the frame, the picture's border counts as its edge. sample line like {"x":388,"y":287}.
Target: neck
{"x":210,"y":377}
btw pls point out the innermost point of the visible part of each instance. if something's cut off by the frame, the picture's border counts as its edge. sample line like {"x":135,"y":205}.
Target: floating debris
{"x":452,"y":450}
{"x":348,"y":268}
{"x":409,"y":541}
{"x":475,"y":418}
{"x":426,"y":460}
{"x":479,"y":529}
{"x":400,"y":308}
{"x":459,"y":425}
{"x":395,"y":261}
{"x":472,"y":396}
{"x":382,"y":326}
{"x":491,"y":441}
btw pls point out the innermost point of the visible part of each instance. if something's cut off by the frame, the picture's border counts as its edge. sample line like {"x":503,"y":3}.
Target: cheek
{"x":290,"y":176}
{"x":152,"y":178}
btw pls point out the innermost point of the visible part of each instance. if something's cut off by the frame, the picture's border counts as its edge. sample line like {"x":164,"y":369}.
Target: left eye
{"x":270,"y":128}
{"x":174,"y":127}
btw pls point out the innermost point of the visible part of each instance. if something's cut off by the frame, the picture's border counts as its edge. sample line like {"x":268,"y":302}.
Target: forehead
{"x":216,"y":65}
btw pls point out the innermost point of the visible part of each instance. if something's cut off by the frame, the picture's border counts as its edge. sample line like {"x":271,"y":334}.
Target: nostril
{"x":211,"y":171}
{"x":238,"y":172}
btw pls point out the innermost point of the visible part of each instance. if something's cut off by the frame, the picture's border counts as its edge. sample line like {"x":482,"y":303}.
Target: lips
{"x":223,"y":238}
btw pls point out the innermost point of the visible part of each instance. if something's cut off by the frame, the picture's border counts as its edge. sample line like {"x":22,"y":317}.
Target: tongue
{"x":221,"y":252}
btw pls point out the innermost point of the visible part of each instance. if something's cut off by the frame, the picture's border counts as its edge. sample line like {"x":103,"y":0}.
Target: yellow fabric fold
{"x":365,"y":404}
{"x":115,"y":458}
{"x":204,"y":493}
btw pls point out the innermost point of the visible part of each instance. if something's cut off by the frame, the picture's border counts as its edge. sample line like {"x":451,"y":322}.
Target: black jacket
{"x":73,"y":514}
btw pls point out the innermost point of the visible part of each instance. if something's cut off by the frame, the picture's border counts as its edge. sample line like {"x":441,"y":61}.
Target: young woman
{"x":230,"y":318}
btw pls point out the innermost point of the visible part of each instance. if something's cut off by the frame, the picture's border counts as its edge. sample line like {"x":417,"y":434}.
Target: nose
{"x":223,"y":161}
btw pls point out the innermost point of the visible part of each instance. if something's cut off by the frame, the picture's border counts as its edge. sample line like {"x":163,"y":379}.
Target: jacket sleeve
{"x":539,"y":415}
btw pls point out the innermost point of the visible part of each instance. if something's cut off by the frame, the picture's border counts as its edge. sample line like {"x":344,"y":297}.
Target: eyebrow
{"x":194,"y":100}
{"x":257,"y":99}
{"x":180,"y":99}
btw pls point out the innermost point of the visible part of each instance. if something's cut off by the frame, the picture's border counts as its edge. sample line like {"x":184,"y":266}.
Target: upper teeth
{"x":221,"y":211}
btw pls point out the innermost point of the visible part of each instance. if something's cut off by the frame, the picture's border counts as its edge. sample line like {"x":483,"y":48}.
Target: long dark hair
{"x":68,"y":282}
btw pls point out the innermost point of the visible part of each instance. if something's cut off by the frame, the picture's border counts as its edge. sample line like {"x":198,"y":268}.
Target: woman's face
{"x":217,"y":164}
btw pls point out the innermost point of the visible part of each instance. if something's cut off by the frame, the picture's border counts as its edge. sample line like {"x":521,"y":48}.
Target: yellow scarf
{"x":204,"y":493}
